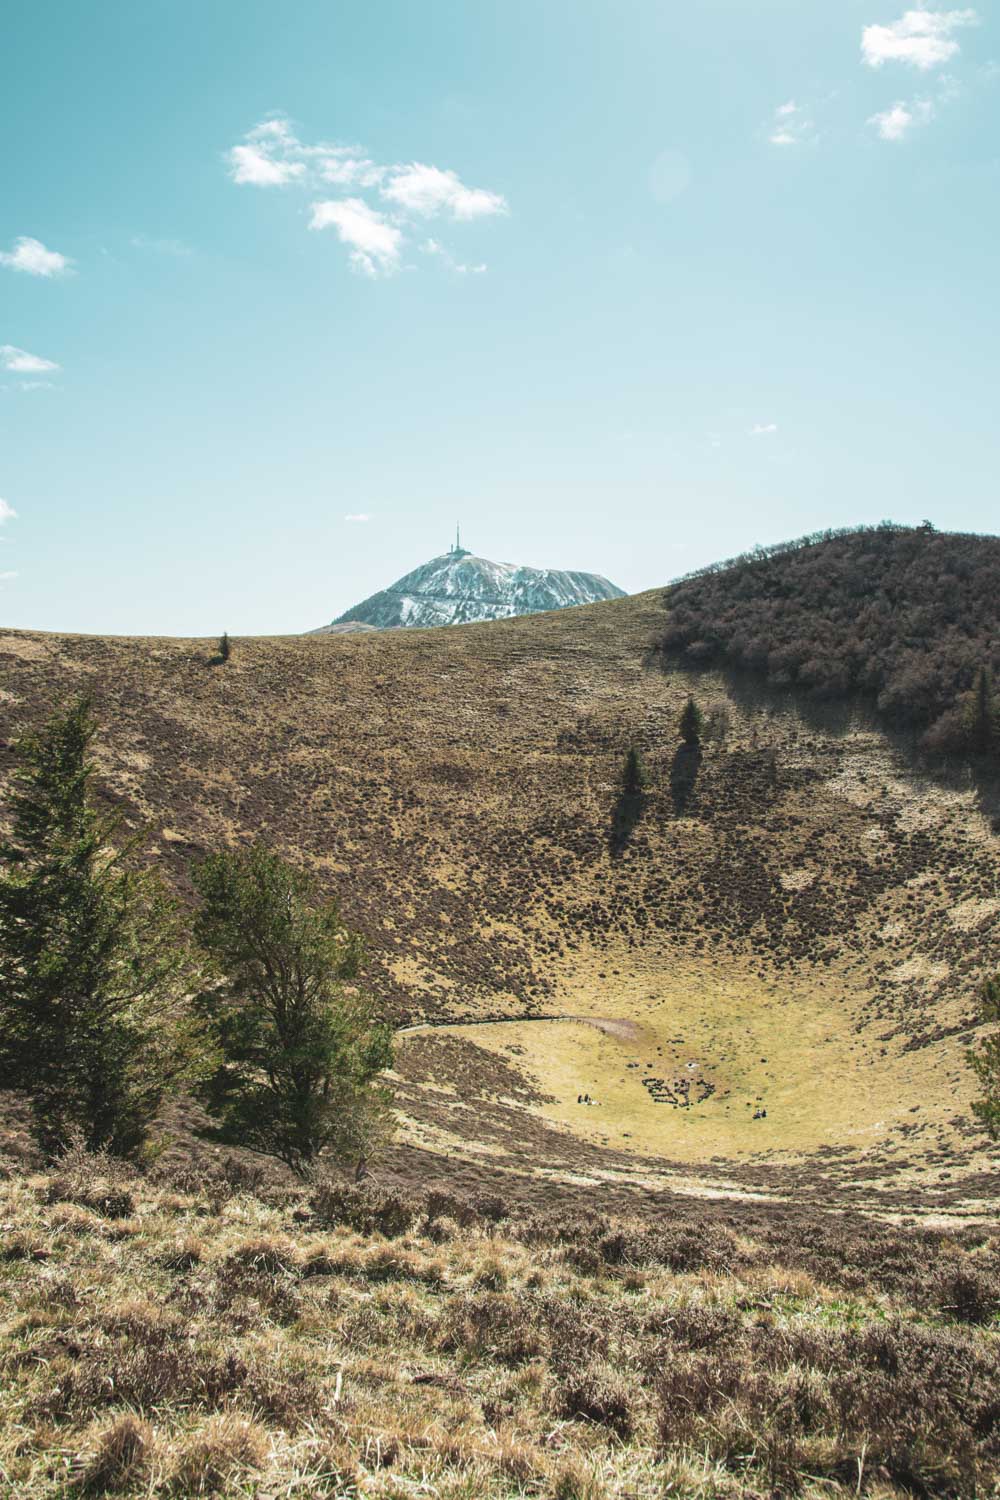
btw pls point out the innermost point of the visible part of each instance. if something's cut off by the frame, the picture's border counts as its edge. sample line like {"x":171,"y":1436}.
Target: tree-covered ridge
{"x":906,"y":617}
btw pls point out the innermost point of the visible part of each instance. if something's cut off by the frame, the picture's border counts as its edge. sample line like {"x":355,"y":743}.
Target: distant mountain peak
{"x":458,"y":588}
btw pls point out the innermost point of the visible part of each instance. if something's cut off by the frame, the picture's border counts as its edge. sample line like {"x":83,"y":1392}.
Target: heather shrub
{"x":365,"y":1208}
{"x":598,"y":1393}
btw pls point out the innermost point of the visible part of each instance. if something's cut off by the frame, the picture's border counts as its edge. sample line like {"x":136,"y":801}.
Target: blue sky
{"x":622,"y":285}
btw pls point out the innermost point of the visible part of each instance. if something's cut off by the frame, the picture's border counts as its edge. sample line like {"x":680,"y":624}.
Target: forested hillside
{"x":908,"y":618}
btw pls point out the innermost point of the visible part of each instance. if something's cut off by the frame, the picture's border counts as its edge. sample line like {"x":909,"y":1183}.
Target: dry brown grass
{"x":260,"y":1348}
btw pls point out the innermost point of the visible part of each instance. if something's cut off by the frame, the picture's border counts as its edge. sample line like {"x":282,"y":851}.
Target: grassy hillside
{"x":796,"y":921}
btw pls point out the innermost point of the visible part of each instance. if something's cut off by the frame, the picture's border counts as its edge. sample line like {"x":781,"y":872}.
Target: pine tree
{"x":225,"y":647}
{"x":634,"y":777}
{"x":985,"y":1061}
{"x":301,"y":1049}
{"x":691,"y":723}
{"x":91,"y":960}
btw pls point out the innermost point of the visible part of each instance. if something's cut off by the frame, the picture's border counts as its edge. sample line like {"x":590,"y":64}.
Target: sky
{"x":620,"y":285}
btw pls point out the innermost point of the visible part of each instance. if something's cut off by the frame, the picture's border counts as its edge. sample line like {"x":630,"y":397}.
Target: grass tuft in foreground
{"x":256,"y":1339}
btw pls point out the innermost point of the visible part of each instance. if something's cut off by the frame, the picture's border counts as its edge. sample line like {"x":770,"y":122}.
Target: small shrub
{"x":365,"y":1208}
{"x":492,"y":1208}
{"x":441,"y":1205}
{"x":492,"y":1325}
{"x":600,"y":1394}
{"x":575,"y":1480}
{"x":697,"y":1326}
{"x":21,"y":1247}
{"x":110,"y":1203}
{"x":967,"y":1294}
{"x":184,"y":1256}
{"x":263,"y":1258}
{"x":490,"y":1276}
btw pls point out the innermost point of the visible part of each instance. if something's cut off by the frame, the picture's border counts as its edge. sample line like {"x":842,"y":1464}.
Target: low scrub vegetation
{"x":162,"y":1340}
{"x":904,"y":617}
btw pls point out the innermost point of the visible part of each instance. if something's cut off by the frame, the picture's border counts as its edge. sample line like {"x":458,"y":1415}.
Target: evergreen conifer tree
{"x":300,"y":1046}
{"x":90,"y":956}
{"x":225,"y":647}
{"x":691,"y":723}
{"x":634,"y":777}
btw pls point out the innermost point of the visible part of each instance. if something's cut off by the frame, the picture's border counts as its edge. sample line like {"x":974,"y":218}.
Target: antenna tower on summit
{"x":458,"y":550}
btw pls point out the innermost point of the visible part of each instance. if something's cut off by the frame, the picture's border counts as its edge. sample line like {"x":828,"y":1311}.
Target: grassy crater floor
{"x":210,"y":1329}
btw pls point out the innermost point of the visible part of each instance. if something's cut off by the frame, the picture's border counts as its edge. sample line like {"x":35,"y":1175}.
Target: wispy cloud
{"x":895,"y":123}
{"x":7,"y":512}
{"x":20,"y":362}
{"x":176,"y":248}
{"x":358,"y":519}
{"x":33,"y":257}
{"x":921,"y":38}
{"x":267,"y":157}
{"x":429,"y":191}
{"x":763,"y":429}
{"x":7,"y":577}
{"x":790,"y":126}
{"x":434,"y":247}
{"x":374,"y":243}
{"x":373,"y":227}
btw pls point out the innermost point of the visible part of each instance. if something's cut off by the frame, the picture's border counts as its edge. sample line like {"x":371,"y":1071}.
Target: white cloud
{"x":257,"y":166}
{"x":360,"y":518}
{"x":346,"y":167}
{"x":32,"y":256}
{"x":23,"y":363}
{"x":921,"y":38}
{"x":895,"y":124}
{"x":272,"y":155}
{"x":429,"y":191}
{"x":6,"y":577}
{"x":434,"y":247}
{"x":790,"y":125}
{"x":374,"y":242}
{"x":7,"y":512}
{"x":763,"y":429}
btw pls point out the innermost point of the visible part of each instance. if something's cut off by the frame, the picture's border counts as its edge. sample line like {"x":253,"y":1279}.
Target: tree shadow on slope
{"x":684,"y":777}
{"x":625,"y":817}
{"x":837,"y":718}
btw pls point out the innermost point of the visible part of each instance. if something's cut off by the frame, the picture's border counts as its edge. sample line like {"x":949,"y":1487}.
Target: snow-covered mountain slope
{"x":457,"y":588}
